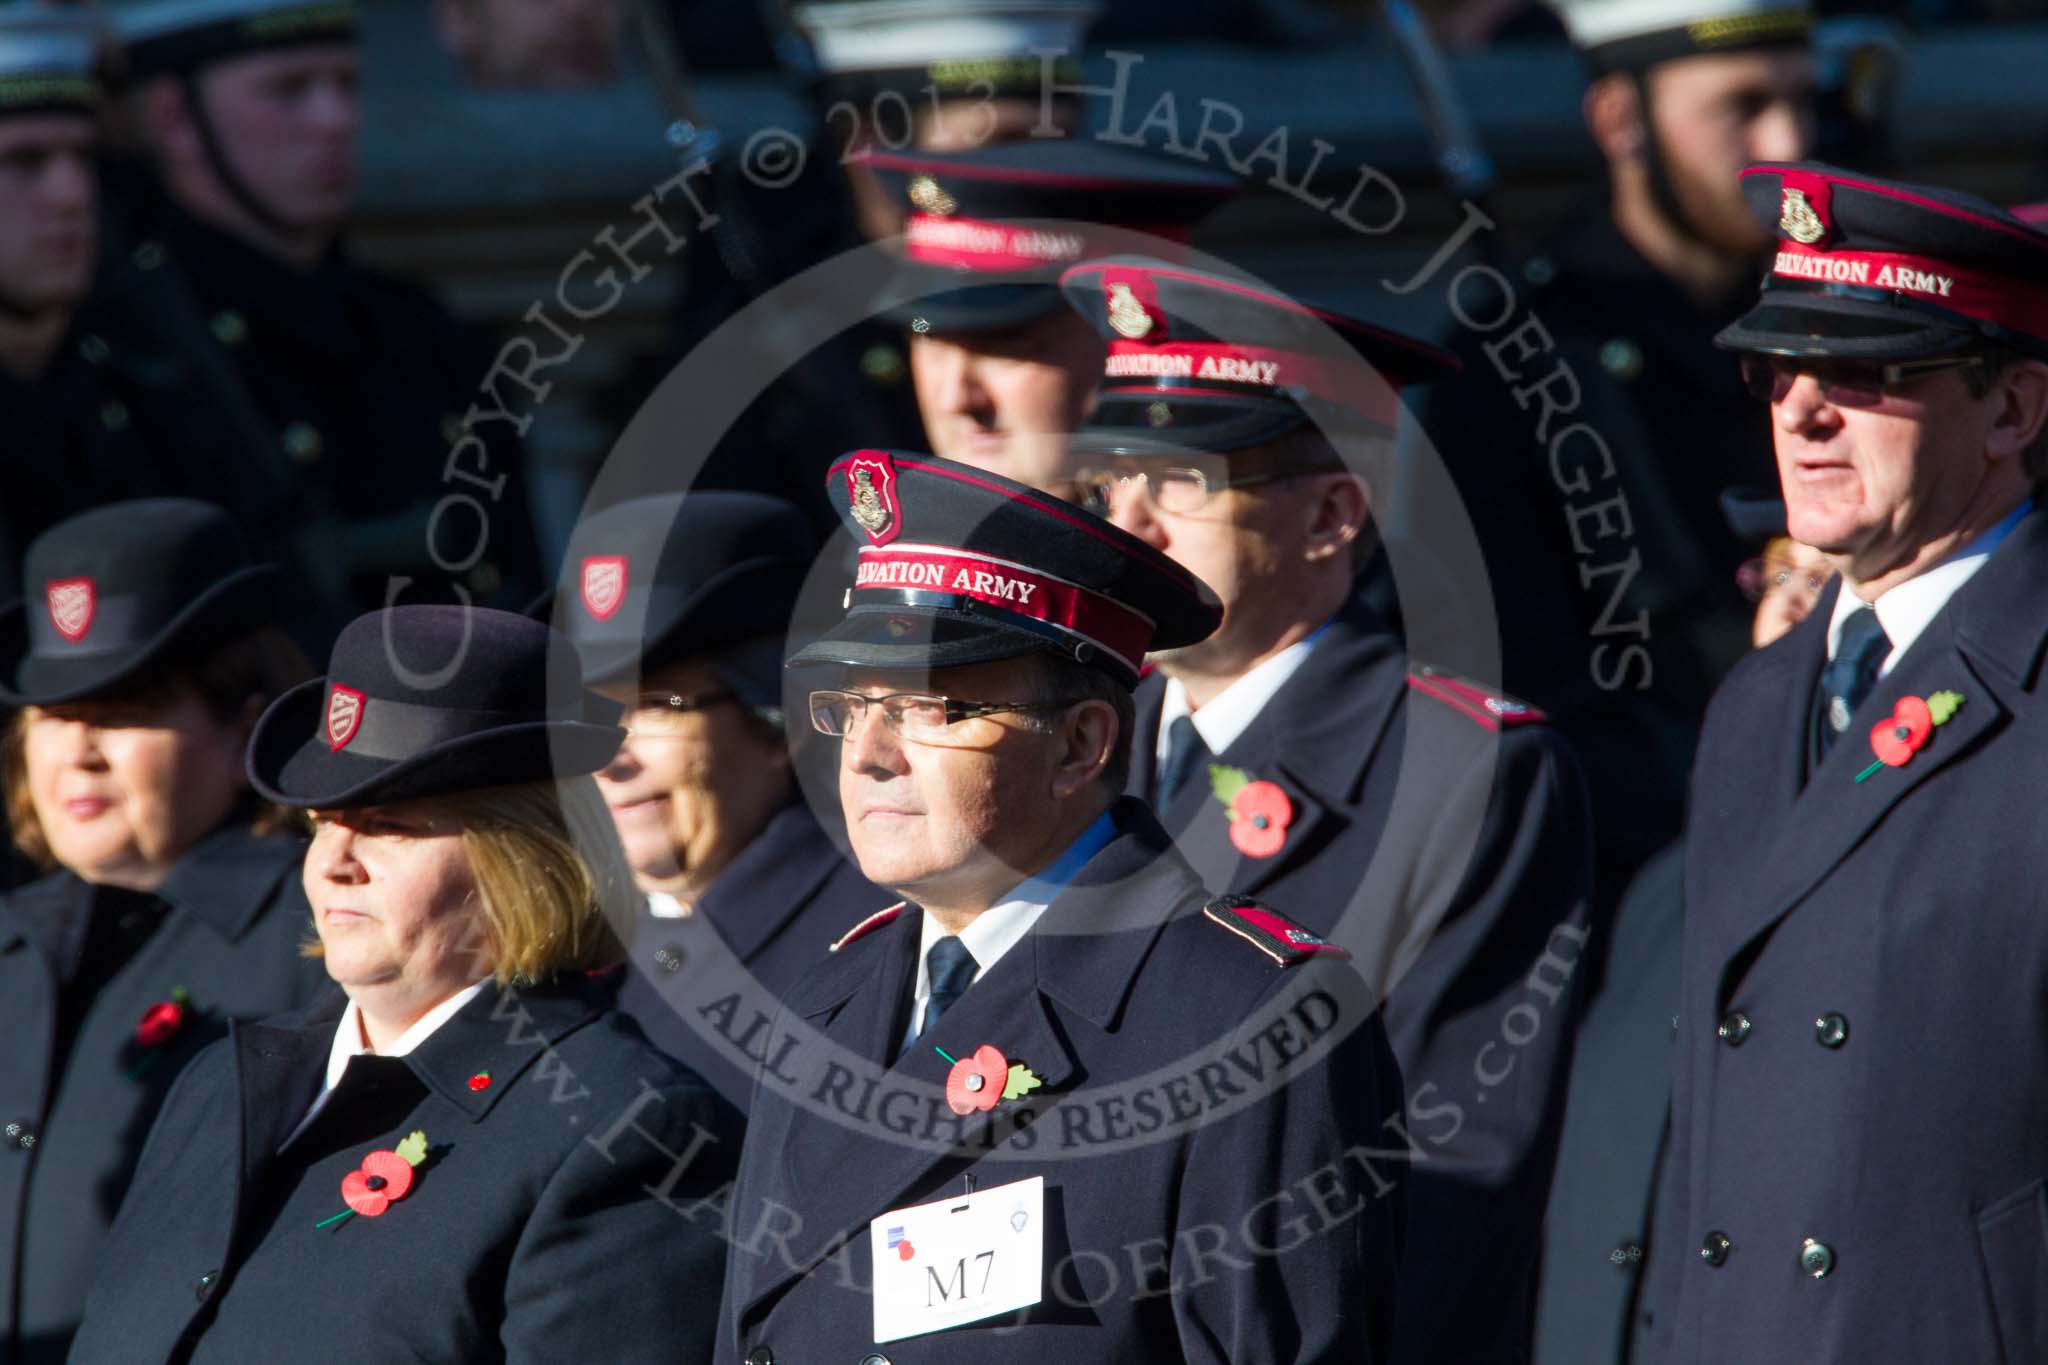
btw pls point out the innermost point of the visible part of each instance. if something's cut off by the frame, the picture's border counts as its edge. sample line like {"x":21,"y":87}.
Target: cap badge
{"x":73,"y":603}
{"x":871,"y":485}
{"x":1799,"y":221}
{"x":604,"y":585}
{"x":927,"y":197}
{"x":1127,"y":316}
{"x":344,"y":715}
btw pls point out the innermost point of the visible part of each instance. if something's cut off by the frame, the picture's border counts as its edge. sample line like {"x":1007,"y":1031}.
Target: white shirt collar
{"x":1003,"y":925}
{"x":349,"y":1044}
{"x":662,"y":905}
{"x":1907,"y":610}
{"x":1231,"y":711}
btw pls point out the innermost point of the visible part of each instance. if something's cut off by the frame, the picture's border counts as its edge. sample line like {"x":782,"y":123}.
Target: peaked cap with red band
{"x":428,"y":701}
{"x":1203,"y":362}
{"x":960,"y":566}
{"x":990,"y":229}
{"x":1870,"y":269}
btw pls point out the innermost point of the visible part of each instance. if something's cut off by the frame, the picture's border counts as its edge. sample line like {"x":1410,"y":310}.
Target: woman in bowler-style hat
{"x":138,"y":663}
{"x":464,"y":1153}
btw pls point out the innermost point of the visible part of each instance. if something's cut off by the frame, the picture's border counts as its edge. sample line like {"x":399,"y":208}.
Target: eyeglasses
{"x":920,"y":717}
{"x":1760,"y":577}
{"x":1844,"y":383}
{"x":1168,"y":488}
{"x":659,"y":715}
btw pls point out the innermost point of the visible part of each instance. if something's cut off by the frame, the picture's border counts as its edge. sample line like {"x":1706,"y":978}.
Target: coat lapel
{"x":279,"y":1068}
{"x":771,"y":881}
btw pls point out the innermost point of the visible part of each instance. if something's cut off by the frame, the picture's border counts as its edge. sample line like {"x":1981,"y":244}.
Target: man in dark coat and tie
{"x":1435,"y":828}
{"x":1857,"y":1143}
{"x":1059,"y":1103}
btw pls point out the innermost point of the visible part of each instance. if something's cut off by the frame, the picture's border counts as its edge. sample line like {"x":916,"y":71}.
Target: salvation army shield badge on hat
{"x":871,"y":493}
{"x":344,"y":715}
{"x":72,"y":602}
{"x":604,"y":585}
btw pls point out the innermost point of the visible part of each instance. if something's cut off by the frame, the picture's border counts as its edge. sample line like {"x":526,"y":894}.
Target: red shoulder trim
{"x":868,"y":925}
{"x":1271,"y":932}
{"x":1475,"y":701}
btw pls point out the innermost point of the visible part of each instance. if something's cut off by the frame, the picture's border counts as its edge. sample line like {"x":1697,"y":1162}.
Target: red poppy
{"x":976,"y":1083}
{"x":1901,"y":735}
{"x":480,"y":1081}
{"x":385,"y":1176}
{"x":1259,"y":816}
{"x":160,"y":1023}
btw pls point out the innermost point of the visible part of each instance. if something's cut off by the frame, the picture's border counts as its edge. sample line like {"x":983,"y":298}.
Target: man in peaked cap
{"x":1849,"y":1178}
{"x":1001,"y":368}
{"x":1433,"y":827}
{"x":250,"y":116}
{"x":680,"y":606}
{"x":1040,"y":1026}
{"x":1595,"y":425}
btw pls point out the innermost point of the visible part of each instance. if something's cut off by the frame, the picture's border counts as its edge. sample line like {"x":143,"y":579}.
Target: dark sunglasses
{"x":1844,"y":383}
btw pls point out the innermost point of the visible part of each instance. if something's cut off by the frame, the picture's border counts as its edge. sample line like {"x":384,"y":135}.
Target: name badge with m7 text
{"x":957,"y":1261}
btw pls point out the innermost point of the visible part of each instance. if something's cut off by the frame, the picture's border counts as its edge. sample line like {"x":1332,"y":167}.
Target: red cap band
{"x":1107,"y":624}
{"x":1204,"y":362}
{"x":1994,"y":299}
{"x":982,"y":244}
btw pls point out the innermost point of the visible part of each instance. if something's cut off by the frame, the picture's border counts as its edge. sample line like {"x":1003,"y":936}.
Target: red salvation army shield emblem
{"x":604,"y":585}
{"x":73,"y":602}
{"x":871,"y":495}
{"x":344,"y":715}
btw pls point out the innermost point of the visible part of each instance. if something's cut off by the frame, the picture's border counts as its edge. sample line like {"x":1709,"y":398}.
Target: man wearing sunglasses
{"x":1435,"y":828}
{"x":680,"y":607}
{"x":983,"y":1130}
{"x":1856,"y":1135}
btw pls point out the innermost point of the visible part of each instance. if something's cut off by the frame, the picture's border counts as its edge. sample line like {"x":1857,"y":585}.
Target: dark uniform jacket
{"x":1614,"y":583}
{"x":1218,"y":1188}
{"x":1860,"y":1107}
{"x":1439,"y":833}
{"x":1598,"y":1224}
{"x":79,"y":967}
{"x":705,"y":988}
{"x":560,"y":1214}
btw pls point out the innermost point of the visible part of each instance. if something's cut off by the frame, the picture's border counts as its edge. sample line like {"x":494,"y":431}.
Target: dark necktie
{"x":1184,"y":752}
{"x":1848,"y":678}
{"x":952,"y":967}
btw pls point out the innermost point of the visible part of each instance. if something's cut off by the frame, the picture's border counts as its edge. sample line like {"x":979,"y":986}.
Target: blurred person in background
{"x":1592,"y":433}
{"x":142,"y":659}
{"x":680,"y":607}
{"x":529,"y":44}
{"x":351,"y":384}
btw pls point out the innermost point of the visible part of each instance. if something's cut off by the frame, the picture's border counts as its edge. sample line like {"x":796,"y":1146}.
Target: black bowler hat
{"x":1753,"y":514}
{"x":121,"y":588}
{"x":960,"y":566}
{"x":430,"y":700}
{"x":1882,"y":270}
{"x":990,"y":229}
{"x":1203,"y":362}
{"x":679,"y":575}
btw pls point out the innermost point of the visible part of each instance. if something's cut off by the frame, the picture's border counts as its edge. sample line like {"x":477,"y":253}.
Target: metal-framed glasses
{"x":921,"y":717}
{"x":1844,"y":383}
{"x":662,"y":715}
{"x":1760,"y":577}
{"x":1168,"y":488}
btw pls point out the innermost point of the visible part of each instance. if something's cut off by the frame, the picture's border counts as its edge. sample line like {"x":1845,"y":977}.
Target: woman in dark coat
{"x":140,"y":660}
{"x":464,"y":1154}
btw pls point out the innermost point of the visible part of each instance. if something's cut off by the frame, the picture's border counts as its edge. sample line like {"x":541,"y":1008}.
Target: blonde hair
{"x":556,"y":894}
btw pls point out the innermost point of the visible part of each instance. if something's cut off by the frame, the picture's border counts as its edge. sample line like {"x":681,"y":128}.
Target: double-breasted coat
{"x":225,"y":928}
{"x":1209,"y":1127}
{"x":704,"y":987}
{"x":566,"y":1208}
{"x":1860,"y":1106}
{"x":1440,"y":833}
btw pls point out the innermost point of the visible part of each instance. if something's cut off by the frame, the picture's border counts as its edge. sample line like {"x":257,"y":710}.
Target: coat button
{"x":1831,"y":1030}
{"x":230,"y":328}
{"x":205,"y":1285}
{"x":1714,"y":1251}
{"x":1734,"y":1028}
{"x":669,"y":958}
{"x":1816,"y":1258}
{"x":21,"y":1134}
{"x":303,"y":443}
{"x":760,"y":1355}
{"x":1627,"y":1256}
{"x":876,"y":1358}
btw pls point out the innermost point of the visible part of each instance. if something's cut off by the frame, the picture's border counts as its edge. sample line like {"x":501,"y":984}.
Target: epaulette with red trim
{"x":1475,"y":701}
{"x":868,"y":925}
{"x":1271,"y":932}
